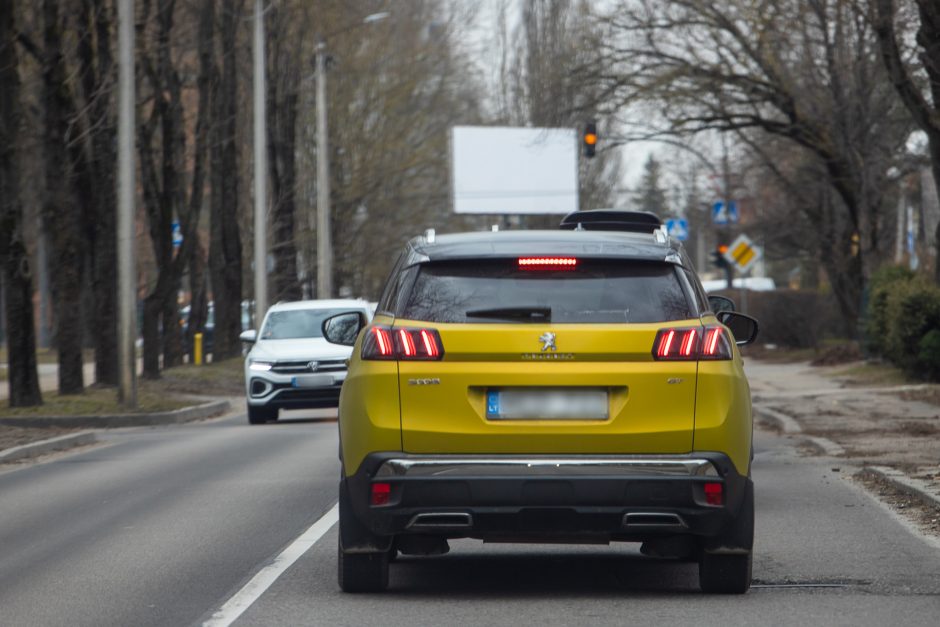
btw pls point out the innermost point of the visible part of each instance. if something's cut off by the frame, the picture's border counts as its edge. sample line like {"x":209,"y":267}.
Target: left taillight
{"x":403,"y":344}
{"x":692,"y":344}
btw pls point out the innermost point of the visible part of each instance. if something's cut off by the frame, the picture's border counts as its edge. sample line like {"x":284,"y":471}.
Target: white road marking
{"x":259,"y":584}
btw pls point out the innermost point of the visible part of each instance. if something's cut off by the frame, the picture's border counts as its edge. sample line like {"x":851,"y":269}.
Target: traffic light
{"x":718,"y":256}
{"x":590,"y":139}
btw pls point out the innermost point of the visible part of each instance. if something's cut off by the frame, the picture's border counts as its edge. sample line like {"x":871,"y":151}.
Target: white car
{"x":290,"y":364}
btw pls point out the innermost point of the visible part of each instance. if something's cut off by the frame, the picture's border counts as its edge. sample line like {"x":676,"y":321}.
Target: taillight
{"x":383,"y":342}
{"x":692,"y":344}
{"x":381,"y":493}
{"x":714,"y":493}
{"x":547,"y":263}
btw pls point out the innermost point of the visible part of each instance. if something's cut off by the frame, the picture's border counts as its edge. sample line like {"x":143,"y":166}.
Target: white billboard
{"x":514,"y":170}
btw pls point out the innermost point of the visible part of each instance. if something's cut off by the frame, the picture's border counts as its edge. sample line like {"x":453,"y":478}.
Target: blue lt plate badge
{"x":492,"y":403}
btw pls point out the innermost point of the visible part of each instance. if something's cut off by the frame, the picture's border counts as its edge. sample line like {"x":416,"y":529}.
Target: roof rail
{"x":611,"y":220}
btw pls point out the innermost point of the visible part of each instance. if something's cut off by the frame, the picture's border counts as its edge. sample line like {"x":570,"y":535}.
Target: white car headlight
{"x":261,"y":366}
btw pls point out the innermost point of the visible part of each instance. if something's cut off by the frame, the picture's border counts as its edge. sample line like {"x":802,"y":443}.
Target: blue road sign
{"x":678,"y":228}
{"x":177,"y":235}
{"x":723,"y":213}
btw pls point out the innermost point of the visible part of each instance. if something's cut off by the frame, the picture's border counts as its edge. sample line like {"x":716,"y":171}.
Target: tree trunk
{"x":225,"y":261}
{"x":282,"y":96}
{"x":23,"y":379}
{"x":97,"y":69}
{"x":61,"y":214}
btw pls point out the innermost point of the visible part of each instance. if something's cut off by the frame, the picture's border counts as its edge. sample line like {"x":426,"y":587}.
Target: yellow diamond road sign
{"x":742,"y":253}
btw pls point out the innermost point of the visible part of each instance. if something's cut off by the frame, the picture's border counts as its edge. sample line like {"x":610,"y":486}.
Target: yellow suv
{"x":562,"y":386}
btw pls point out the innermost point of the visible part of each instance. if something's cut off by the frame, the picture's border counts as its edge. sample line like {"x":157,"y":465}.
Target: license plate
{"x":312,"y":381}
{"x":547,"y":404}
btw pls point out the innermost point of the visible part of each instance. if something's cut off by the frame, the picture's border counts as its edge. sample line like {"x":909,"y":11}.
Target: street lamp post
{"x":324,"y":239}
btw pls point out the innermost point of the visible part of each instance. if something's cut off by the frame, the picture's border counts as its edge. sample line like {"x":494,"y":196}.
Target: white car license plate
{"x":312,"y":381}
{"x":574,"y":403}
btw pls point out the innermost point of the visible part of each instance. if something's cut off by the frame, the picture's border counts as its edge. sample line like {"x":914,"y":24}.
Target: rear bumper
{"x":511,"y":497}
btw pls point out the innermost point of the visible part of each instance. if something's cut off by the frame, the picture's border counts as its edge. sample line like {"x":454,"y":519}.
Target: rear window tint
{"x":599,"y":291}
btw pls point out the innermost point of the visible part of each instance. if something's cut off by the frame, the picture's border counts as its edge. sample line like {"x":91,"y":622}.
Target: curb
{"x":186,"y":414}
{"x":35,"y":449}
{"x":789,"y":426}
{"x":909,"y":485}
{"x":786,"y":424}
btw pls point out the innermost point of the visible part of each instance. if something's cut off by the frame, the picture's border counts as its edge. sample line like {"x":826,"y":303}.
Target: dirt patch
{"x":924,"y":514}
{"x":838,"y":355}
{"x":929,"y":394}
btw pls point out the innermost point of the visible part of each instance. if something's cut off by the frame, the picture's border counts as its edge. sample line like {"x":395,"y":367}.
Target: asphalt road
{"x":163,"y":526}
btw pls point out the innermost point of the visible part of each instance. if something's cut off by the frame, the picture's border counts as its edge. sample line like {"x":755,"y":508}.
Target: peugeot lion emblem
{"x":313,"y":366}
{"x":548,"y":341}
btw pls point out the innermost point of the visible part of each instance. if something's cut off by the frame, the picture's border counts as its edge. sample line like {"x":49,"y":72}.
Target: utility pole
{"x":126,"y":256}
{"x":324,"y":241}
{"x":261,"y":169}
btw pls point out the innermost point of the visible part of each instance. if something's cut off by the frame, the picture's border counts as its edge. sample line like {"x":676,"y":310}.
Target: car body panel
{"x":651,"y":403}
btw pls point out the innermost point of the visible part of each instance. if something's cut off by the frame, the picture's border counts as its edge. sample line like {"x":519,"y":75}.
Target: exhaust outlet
{"x":653,"y":519}
{"x":441,"y":520}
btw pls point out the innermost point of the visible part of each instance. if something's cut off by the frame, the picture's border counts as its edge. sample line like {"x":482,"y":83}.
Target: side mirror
{"x":344,"y":328}
{"x":720,"y":303}
{"x":249,"y":337}
{"x":744,"y":328}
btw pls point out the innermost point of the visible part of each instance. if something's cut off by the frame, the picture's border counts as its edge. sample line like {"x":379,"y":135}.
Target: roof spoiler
{"x":611,"y":220}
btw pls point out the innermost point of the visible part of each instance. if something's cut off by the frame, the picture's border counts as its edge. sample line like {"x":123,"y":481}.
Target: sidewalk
{"x":48,"y":378}
{"x":892,"y":430}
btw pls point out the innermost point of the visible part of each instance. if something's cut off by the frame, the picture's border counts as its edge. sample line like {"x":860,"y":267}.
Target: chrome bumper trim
{"x":443,"y":466}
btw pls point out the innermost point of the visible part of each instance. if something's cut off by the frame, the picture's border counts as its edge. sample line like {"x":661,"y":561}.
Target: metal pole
{"x":324,"y":245}
{"x":126,"y":259}
{"x":261,"y":167}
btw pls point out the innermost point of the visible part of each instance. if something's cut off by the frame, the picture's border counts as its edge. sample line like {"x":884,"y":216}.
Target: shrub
{"x":883,"y":281}
{"x":912,"y":311}
{"x":791,"y":318}
{"x":929,"y":354}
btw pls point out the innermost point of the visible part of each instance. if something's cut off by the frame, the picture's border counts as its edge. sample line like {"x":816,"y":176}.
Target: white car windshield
{"x":296,"y":323}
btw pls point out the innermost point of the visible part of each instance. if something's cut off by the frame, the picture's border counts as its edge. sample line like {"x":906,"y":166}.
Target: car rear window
{"x":599,"y":291}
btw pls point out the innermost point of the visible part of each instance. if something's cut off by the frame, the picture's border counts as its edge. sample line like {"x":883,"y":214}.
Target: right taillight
{"x":692,"y":344}
{"x":387,"y":343}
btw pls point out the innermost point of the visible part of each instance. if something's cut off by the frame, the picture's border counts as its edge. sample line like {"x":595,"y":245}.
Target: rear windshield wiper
{"x":534,"y":313}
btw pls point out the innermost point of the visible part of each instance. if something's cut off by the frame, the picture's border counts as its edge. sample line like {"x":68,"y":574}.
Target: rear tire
{"x":261,"y":415}
{"x":724,"y":573}
{"x":359,"y":571}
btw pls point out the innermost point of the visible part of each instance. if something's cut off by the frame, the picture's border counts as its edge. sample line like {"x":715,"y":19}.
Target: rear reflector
{"x":380,"y":493}
{"x":714,"y":493}
{"x":692,"y":344}
{"x":547,"y":263}
{"x":383,"y":342}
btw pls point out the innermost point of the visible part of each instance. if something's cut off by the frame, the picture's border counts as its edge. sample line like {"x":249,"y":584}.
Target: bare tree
{"x":805,"y":71}
{"x":921,"y":97}
{"x":62,"y":215}
{"x":225,"y":248}
{"x":17,"y":279}
{"x":284,"y":38}
{"x":163,"y":170}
